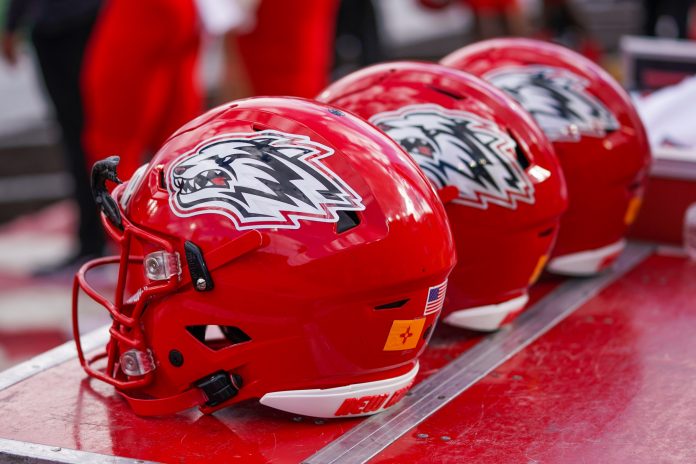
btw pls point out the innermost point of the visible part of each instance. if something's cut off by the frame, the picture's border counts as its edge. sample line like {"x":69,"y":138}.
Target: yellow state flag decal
{"x":632,"y":210}
{"x":404,"y":335}
{"x":537,"y":270}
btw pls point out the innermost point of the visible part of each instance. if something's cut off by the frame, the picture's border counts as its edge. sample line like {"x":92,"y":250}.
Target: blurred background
{"x":84,"y":79}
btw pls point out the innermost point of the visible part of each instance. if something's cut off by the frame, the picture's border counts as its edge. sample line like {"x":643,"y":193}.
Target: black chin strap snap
{"x":101,"y":172}
{"x":219,"y":387}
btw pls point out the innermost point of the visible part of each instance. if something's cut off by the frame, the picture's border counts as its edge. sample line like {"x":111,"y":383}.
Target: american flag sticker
{"x":436,"y":298}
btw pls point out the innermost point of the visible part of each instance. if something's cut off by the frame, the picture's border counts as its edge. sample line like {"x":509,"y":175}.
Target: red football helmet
{"x":494,"y":168}
{"x":274,"y":248}
{"x":598,"y":136}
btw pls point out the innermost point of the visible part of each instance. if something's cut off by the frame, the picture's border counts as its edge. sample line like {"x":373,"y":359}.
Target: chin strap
{"x":209,"y":392}
{"x":166,"y":406}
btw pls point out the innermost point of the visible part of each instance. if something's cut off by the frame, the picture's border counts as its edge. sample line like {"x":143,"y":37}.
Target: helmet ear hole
{"x":198,"y":332}
{"x":218,"y":337}
{"x":234,"y":334}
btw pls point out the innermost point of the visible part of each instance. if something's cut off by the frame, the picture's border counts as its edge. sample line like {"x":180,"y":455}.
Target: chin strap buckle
{"x":219,"y":387}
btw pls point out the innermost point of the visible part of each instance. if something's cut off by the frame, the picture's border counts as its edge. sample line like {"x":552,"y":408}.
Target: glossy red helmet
{"x":597,"y":134}
{"x":493,"y":167}
{"x":274,"y":248}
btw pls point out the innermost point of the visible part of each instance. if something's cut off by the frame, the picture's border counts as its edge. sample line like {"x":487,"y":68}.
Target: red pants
{"x":291,"y":48}
{"x":139,"y":79}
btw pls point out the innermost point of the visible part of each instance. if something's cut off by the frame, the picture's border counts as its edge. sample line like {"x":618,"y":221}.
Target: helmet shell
{"x":502,"y":233}
{"x":353,"y":238}
{"x":595,"y":130}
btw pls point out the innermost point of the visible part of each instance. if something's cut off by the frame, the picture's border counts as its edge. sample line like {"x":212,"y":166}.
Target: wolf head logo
{"x":460,"y":149}
{"x":265,"y":179}
{"x":557,"y":99}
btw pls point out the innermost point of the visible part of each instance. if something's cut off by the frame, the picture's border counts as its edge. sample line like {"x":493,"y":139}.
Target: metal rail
{"x":373,"y":435}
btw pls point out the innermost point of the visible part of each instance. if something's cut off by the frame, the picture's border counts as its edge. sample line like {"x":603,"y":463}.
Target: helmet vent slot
{"x":546,"y":232}
{"x":392,"y":305}
{"x":521,"y":157}
{"x":447,"y":93}
{"x":160,"y":179}
{"x":346,"y":221}
{"x":217,"y":337}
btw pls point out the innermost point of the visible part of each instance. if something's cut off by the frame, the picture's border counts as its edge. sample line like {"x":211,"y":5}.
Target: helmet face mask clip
{"x":130,"y":364}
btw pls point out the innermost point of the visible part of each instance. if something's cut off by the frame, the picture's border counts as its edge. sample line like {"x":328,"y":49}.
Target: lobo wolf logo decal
{"x":458,"y":148}
{"x":265,"y":179}
{"x":557,"y":99}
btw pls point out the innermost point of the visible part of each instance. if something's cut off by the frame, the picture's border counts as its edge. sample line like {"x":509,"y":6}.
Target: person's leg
{"x":128,"y":76}
{"x":650,"y":15}
{"x":118,"y":68}
{"x":514,"y":18}
{"x":679,"y":10}
{"x":356,"y":20}
{"x":60,"y":59}
{"x":290,"y":50}
{"x":176,"y":96}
